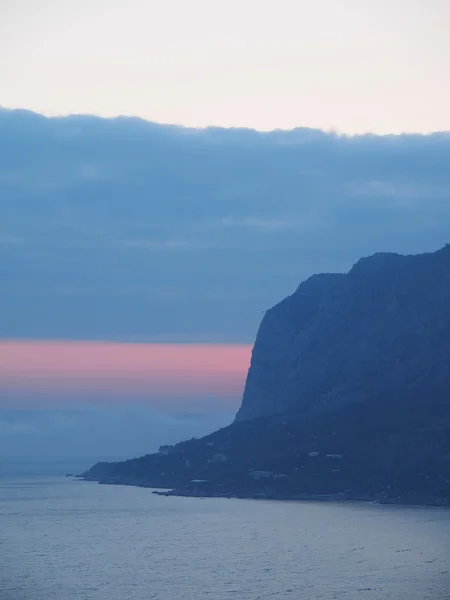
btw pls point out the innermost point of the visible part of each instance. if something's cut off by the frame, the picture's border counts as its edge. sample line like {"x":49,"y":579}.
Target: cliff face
{"x":381,"y":328}
{"x":347,"y":397}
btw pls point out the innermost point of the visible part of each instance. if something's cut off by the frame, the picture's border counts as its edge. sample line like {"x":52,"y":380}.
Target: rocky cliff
{"x":382,"y":328}
{"x":347,"y":397}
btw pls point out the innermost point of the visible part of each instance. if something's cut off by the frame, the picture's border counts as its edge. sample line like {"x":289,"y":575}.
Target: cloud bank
{"x":124,"y":229}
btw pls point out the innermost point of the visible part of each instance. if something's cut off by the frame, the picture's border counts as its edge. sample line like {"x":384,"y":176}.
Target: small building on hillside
{"x":220,"y":458}
{"x":261,"y":474}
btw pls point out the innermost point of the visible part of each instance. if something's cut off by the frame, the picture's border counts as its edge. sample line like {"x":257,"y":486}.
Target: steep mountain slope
{"x":383,"y":327}
{"x":347,"y":397}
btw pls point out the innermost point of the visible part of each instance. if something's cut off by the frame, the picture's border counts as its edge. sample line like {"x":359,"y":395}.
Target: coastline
{"x":295,"y":497}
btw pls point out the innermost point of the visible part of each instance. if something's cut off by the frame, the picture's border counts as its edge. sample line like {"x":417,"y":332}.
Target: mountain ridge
{"x":335,"y":328}
{"x":370,"y":425}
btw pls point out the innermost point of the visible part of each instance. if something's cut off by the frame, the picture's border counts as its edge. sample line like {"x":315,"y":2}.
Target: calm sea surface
{"x":69,"y":540}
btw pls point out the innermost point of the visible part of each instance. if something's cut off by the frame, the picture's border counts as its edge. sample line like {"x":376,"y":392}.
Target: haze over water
{"x":68,"y":540}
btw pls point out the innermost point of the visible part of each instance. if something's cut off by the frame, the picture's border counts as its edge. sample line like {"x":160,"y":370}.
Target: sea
{"x":64,"y":539}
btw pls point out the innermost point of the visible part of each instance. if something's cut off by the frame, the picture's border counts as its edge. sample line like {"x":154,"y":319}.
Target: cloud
{"x":263,"y":224}
{"x":395,"y":191}
{"x":148,"y":244}
{"x":132,"y":229}
{"x":10,"y":239}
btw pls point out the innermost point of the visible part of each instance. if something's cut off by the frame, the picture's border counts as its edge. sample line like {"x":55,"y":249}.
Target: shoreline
{"x":336,"y":497}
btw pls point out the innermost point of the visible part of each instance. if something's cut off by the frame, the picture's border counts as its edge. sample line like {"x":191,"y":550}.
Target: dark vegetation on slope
{"x":393,"y":450}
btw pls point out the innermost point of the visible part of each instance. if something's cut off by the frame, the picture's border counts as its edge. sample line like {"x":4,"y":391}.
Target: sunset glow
{"x":159,"y":374}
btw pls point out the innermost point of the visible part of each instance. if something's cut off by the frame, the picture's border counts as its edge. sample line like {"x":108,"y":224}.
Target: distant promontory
{"x":347,"y":396}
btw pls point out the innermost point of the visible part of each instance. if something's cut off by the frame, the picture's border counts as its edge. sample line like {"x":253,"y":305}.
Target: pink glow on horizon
{"x":173,"y":373}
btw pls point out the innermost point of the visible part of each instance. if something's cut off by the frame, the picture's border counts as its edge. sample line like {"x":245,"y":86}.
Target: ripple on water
{"x":62,"y":539}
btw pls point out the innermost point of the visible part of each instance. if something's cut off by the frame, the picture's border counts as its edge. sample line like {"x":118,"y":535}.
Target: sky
{"x":39,"y":374}
{"x":352,"y":65}
{"x":65,"y":404}
{"x":137,"y":259}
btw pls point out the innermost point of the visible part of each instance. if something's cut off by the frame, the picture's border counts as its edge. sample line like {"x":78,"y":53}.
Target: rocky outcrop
{"x":347,"y":397}
{"x":381,"y":329}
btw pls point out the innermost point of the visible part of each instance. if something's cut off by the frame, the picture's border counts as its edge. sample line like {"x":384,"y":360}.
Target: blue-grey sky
{"x":355,"y":65}
{"x":126,"y":230}
{"x":62,"y":440}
